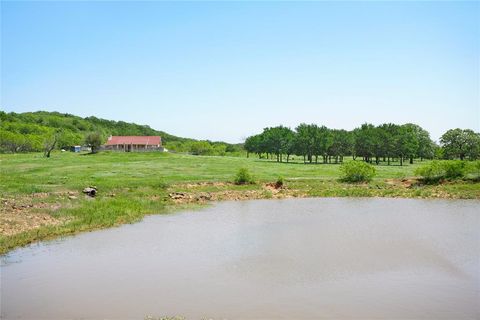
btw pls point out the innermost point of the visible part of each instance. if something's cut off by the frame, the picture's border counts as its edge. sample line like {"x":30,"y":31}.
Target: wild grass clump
{"x":439,"y":170}
{"x":472,"y":170}
{"x":357,"y":171}
{"x":243,"y":176}
{"x":160,"y":185}
{"x":280,"y":182}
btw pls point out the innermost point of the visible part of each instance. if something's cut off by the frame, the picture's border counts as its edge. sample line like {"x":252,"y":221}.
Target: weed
{"x":243,"y":176}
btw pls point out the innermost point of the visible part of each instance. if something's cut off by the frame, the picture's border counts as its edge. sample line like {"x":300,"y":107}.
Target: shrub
{"x":356,"y":171}
{"x":243,"y":176}
{"x":454,"y":169}
{"x":443,"y":169}
{"x":472,"y":170}
{"x":432,"y":172}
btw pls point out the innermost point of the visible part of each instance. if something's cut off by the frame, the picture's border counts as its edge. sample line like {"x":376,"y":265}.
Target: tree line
{"x":374,"y":144}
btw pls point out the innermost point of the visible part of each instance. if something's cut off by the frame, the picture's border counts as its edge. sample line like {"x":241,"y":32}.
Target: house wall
{"x":133,"y":148}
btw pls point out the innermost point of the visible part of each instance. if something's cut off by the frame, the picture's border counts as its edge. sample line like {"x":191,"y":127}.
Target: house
{"x":134,"y":143}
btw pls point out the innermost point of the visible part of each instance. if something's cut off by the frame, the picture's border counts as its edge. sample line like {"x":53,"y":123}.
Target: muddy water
{"x":300,"y":258}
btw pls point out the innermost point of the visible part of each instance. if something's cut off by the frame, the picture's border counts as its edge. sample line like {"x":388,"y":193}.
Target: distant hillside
{"x":28,"y":131}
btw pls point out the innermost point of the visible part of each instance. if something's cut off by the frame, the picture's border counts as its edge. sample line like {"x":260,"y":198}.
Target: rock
{"x":203,"y":197}
{"x":72,"y":197}
{"x":178,"y":195}
{"x":90,"y":191}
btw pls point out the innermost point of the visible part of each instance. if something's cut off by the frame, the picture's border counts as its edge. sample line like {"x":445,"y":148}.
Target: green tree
{"x":406,"y":143}
{"x":365,"y":141}
{"x":389,"y":134}
{"x":252,"y":144}
{"x":342,"y":144}
{"x":94,"y":140}
{"x":50,"y":142}
{"x":458,"y":143}
{"x":12,"y":142}
{"x":303,"y":142}
{"x":201,"y":148}
{"x":322,"y":141}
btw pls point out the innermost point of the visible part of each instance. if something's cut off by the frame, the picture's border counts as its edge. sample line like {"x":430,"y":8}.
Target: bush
{"x":280,"y":182}
{"x":454,"y":169}
{"x":356,"y":171}
{"x":243,"y":176}
{"x":432,"y":172}
{"x":472,"y":170}
{"x":443,"y":169}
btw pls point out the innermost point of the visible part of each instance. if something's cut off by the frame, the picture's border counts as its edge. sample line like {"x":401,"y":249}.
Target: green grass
{"x":131,"y":185}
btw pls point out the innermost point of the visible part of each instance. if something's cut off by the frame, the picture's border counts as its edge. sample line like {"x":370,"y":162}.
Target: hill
{"x":26,"y":132}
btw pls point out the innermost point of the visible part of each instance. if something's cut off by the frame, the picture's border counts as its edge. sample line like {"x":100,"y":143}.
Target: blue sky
{"x":225,"y":70}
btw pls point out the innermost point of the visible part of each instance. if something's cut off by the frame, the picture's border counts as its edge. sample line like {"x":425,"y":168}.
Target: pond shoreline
{"x":42,"y":216}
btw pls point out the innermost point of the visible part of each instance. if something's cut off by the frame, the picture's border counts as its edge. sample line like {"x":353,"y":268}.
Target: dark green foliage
{"x":461,"y":144}
{"x":243,"y":176}
{"x":342,"y":145}
{"x":365,"y":141}
{"x":252,"y":144}
{"x":384,"y":143}
{"x":357,"y":171}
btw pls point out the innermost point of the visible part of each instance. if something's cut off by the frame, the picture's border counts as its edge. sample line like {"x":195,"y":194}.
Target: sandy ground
{"x":28,"y":213}
{"x":269,"y":190}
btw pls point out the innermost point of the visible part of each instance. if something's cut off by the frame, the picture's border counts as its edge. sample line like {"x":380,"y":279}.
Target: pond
{"x":293,"y":258}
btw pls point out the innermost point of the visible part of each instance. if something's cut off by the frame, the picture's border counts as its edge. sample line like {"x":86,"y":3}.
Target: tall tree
{"x":303,"y":141}
{"x":252,"y":144}
{"x":406,"y":143}
{"x":342,"y":144}
{"x":458,"y":143}
{"x":389,"y":134}
{"x":322,"y":142}
{"x":365,"y":141}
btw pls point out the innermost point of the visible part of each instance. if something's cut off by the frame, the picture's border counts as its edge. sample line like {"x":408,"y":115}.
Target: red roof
{"x":145,"y":140}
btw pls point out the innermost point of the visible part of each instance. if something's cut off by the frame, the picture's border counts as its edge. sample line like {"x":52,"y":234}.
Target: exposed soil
{"x":205,"y":184}
{"x":29,"y":213}
{"x":269,"y":190}
{"x":405,"y":182}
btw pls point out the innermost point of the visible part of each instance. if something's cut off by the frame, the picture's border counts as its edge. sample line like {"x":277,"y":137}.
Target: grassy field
{"x":41,"y":198}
